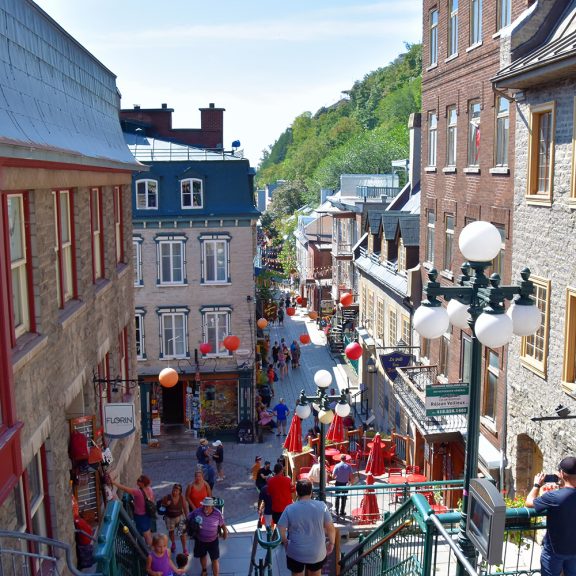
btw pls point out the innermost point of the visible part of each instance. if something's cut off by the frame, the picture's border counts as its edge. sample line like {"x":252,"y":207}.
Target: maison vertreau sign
{"x":119,"y":419}
{"x":447,"y":399}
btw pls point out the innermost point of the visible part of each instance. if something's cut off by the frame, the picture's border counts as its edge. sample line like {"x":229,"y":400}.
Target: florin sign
{"x":119,"y":419}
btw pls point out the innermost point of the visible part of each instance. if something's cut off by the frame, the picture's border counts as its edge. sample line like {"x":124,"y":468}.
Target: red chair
{"x":304,"y":472}
{"x":395,"y":471}
{"x":412,"y":470}
{"x":389,"y":455}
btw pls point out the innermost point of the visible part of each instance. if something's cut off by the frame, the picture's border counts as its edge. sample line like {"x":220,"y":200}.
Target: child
{"x":182,"y":561}
{"x":159,"y":562}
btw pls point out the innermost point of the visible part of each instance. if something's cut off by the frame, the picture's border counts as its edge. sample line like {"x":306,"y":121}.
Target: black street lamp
{"x":321,"y":402}
{"x":477,"y":303}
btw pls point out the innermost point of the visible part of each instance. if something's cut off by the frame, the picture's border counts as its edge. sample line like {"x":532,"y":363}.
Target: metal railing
{"x":23,"y":554}
{"x":377,"y":192}
{"x":413,"y":541}
{"x":266,"y":540}
{"x":120,"y":549}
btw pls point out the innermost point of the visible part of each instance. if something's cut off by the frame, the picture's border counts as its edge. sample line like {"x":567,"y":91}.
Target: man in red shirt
{"x":280,"y":489}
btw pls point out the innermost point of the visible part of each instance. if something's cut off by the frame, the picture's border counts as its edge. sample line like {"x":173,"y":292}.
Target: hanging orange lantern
{"x":231,"y":343}
{"x":353,"y":351}
{"x":299,"y":300}
{"x":168,"y":377}
{"x":346,"y":299}
{"x":312,"y":314}
{"x":305,"y":338}
{"x":205,"y":348}
{"x":290,"y":311}
{"x":262,"y":323}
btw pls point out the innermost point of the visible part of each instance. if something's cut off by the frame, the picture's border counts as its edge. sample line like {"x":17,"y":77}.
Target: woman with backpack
{"x":175,"y":516}
{"x":144,"y":504}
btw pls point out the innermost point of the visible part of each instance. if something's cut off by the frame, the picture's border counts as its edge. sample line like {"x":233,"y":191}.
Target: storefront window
{"x":219,"y":404}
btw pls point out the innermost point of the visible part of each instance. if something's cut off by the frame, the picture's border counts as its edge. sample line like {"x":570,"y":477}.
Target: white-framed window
{"x":173,"y":332}
{"x":215,"y":256}
{"x":19,"y":506}
{"x":449,"y":242}
{"x":392,"y":327}
{"x":430,"y":230}
{"x":36,"y":495}
{"x":137,"y":243}
{"x":380,"y":319}
{"x":474,"y":133}
{"x":433,"y":38}
{"x":192,"y":193}
{"x":451,"y":127}
{"x":64,"y":246}
{"x":502,"y":131}
{"x":140,"y":334}
{"x":405,"y":330}
{"x":19,"y":264}
{"x":444,"y":355}
{"x":541,"y":153}
{"x":475,"y":22}
{"x":504,"y":13}
{"x":118,"y":224}
{"x":171,"y":260}
{"x":147,"y":194}
{"x":490,"y":395}
{"x":534,"y":349}
{"x":452,"y":27}
{"x":215,"y":327}
{"x":401,"y":256}
{"x":97,"y":233}
{"x":432,"y":137}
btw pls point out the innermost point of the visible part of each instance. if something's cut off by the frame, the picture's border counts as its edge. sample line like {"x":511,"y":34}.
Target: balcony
{"x":377,"y":193}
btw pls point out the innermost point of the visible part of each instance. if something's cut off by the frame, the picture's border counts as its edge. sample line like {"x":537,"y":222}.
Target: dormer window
{"x":192,"y":193}
{"x":147,"y":194}
{"x":401,"y":257}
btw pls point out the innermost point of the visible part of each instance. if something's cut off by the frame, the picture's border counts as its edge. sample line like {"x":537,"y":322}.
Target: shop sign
{"x":326,"y":307}
{"x":394,"y":360}
{"x":119,"y":419}
{"x":447,"y":399}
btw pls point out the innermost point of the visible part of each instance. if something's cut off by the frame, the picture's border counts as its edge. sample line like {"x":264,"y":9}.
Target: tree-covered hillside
{"x":361,"y":133}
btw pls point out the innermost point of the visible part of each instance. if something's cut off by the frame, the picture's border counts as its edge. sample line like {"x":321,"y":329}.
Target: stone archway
{"x":529,"y":462}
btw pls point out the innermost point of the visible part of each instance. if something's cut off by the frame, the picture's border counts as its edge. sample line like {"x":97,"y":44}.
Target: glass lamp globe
{"x":303,"y":411}
{"x":526,"y":319}
{"x":458,"y":314}
{"x":342,"y":409}
{"x":431,"y":321}
{"x":480,"y":241}
{"x":326,"y":416}
{"x":323,"y":378}
{"x":493,"y":330}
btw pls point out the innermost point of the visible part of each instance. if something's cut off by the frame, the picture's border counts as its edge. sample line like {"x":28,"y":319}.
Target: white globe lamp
{"x":431,"y":321}
{"x":458,"y":314}
{"x":526,"y":318}
{"x":493,"y":330}
{"x":326,"y":416}
{"x":303,"y":411}
{"x":480,"y":241}
{"x":323,"y":378}
{"x":342,"y":409}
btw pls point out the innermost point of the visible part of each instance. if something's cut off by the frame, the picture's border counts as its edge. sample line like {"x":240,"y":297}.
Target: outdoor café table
{"x":332,"y":453}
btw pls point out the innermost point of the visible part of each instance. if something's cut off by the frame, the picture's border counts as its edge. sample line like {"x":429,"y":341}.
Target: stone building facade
{"x":66,"y":288}
{"x":540,"y":79}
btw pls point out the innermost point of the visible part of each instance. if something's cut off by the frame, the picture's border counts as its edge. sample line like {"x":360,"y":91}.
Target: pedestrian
{"x":295,"y":351}
{"x":559,"y":547}
{"x":272,"y":377}
{"x":211,"y":525}
{"x":286,"y":351}
{"x":197,"y":490}
{"x":280,"y":489}
{"x":140,"y":494}
{"x":275,"y":350}
{"x":182,"y":561}
{"x":281,"y":316}
{"x":281,"y":411}
{"x":175,"y":517}
{"x":305,"y":526}
{"x":158,"y":562}
{"x":314,"y":473}
{"x":342,"y":473}
{"x":256,"y":467}
{"x":263,"y":475}
{"x":282,"y":368}
{"x":218,"y":458}
{"x":265,"y":506}
{"x":202,"y":452}
{"x":266,"y":392}
{"x":287,"y":300}
{"x":209,"y":475}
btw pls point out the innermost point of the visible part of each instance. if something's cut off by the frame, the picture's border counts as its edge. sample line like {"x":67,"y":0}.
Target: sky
{"x":264,"y":61}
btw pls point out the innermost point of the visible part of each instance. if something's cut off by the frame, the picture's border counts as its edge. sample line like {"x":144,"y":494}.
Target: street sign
{"x":447,"y":399}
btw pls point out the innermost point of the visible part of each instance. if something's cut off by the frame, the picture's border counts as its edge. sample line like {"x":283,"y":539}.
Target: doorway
{"x":529,"y":462}
{"x":173,"y":404}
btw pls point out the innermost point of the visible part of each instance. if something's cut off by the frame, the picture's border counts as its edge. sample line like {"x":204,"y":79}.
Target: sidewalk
{"x":174,"y":460}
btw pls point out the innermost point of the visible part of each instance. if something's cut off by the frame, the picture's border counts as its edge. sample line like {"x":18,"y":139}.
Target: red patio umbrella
{"x":336,"y":431}
{"x":368,"y":513}
{"x":375,"y":463}
{"x":293,"y":442}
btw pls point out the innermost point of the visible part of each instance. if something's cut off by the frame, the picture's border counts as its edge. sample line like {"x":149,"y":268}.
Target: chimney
{"x":164,"y":105}
{"x":415,"y":130}
{"x":136,"y":106}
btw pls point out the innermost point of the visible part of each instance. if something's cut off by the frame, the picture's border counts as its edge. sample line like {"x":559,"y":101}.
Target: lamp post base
{"x":466,"y":547}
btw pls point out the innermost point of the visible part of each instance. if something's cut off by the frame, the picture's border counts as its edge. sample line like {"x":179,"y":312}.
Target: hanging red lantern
{"x":312,"y":314}
{"x":205,"y":348}
{"x":305,"y":338}
{"x":231,"y":343}
{"x":299,"y":300}
{"x":353,"y":351}
{"x":346,"y":299}
{"x":262,"y":323}
{"x":168,"y":377}
{"x":290,"y":311}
